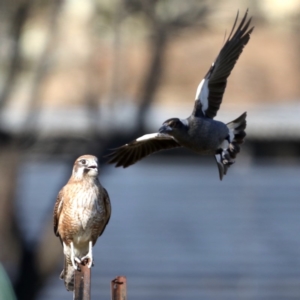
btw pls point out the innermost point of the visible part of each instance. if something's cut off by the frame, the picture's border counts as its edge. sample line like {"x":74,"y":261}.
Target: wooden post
{"x":82,"y":283}
{"x":119,"y":288}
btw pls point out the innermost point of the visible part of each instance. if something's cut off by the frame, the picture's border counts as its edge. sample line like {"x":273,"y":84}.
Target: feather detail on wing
{"x":107,"y":208}
{"x":57,"y":210}
{"x":143,"y":146}
{"x":211,"y":89}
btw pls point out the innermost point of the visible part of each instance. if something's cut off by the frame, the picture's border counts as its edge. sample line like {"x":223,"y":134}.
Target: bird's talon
{"x":86,"y":261}
{"x":76,"y":267}
{"x":90,"y":264}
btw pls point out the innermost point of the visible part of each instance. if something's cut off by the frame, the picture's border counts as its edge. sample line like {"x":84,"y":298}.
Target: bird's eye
{"x":83,"y":161}
{"x":174,"y":124}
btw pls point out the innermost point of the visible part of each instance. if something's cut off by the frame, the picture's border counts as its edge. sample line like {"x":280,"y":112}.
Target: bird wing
{"x":57,"y":211}
{"x":107,"y":206}
{"x":143,"y":146}
{"x":211,"y":89}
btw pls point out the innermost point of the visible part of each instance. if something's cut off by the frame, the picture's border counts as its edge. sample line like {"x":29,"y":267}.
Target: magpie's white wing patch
{"x":152,"y":136}
{"x":202,"y":94}
{"x":143,"y":146}
{"x":210,"y":91}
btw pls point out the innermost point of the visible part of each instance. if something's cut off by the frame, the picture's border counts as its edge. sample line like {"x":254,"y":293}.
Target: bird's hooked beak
{"x":93,"y":166}
{"x":164,"y":129}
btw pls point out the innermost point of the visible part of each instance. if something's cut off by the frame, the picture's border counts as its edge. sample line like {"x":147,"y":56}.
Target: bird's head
{"x":174,"y":126}
{"x":85,"y":166}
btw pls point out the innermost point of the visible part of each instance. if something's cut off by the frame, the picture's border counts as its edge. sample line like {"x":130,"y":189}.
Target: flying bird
{"x":81,"y":213}
{"x":200,"y":132}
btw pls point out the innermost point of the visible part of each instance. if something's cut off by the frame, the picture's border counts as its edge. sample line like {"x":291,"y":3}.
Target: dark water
{"x":177,"y":232}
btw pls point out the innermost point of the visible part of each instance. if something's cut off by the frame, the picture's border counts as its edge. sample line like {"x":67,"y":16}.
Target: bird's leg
{"x":89,"y":255}
{"x":74,"y":259}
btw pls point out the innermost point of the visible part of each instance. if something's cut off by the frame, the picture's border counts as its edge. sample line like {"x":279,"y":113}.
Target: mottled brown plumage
{"x":81,"y":213}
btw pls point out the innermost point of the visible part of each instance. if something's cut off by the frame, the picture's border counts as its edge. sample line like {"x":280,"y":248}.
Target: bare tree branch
{"x":162,"y":29}
{"x":43,"y":64}
{"x":18,"y":20}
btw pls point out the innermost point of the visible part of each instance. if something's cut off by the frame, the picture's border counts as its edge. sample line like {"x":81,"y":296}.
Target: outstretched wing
{"x":57,"y":210}
{"x":136,"y":150}
{"x":211,"y":89}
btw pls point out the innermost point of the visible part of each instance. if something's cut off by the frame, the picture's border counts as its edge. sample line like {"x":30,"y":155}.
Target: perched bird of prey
{"x":81,"y":213}
{"x":200,"y":132}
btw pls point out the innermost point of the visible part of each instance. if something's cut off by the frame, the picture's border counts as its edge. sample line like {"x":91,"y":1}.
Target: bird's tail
{"x":225,"y":156}
{"x":237,"y":134}
{"x":67,"y":275}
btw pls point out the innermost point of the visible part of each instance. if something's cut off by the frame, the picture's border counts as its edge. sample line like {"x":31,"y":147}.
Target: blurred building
{"x":80,"y":76}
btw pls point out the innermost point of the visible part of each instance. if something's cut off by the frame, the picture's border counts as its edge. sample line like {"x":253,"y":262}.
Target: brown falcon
{"x":81,"y":213}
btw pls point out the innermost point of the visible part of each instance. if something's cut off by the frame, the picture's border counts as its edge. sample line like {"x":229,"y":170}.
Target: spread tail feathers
{"x":67,"y":275}
{"x":226,"y":154}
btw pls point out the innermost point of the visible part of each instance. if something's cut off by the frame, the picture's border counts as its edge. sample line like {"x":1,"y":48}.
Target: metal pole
{"x":119,"y":288}
{"x":82,"y":283}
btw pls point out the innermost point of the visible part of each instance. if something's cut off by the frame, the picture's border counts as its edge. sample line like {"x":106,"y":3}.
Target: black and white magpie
{"x":200,"y":132}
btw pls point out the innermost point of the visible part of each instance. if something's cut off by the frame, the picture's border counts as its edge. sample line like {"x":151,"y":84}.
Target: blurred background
{"x":85,"y":76}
